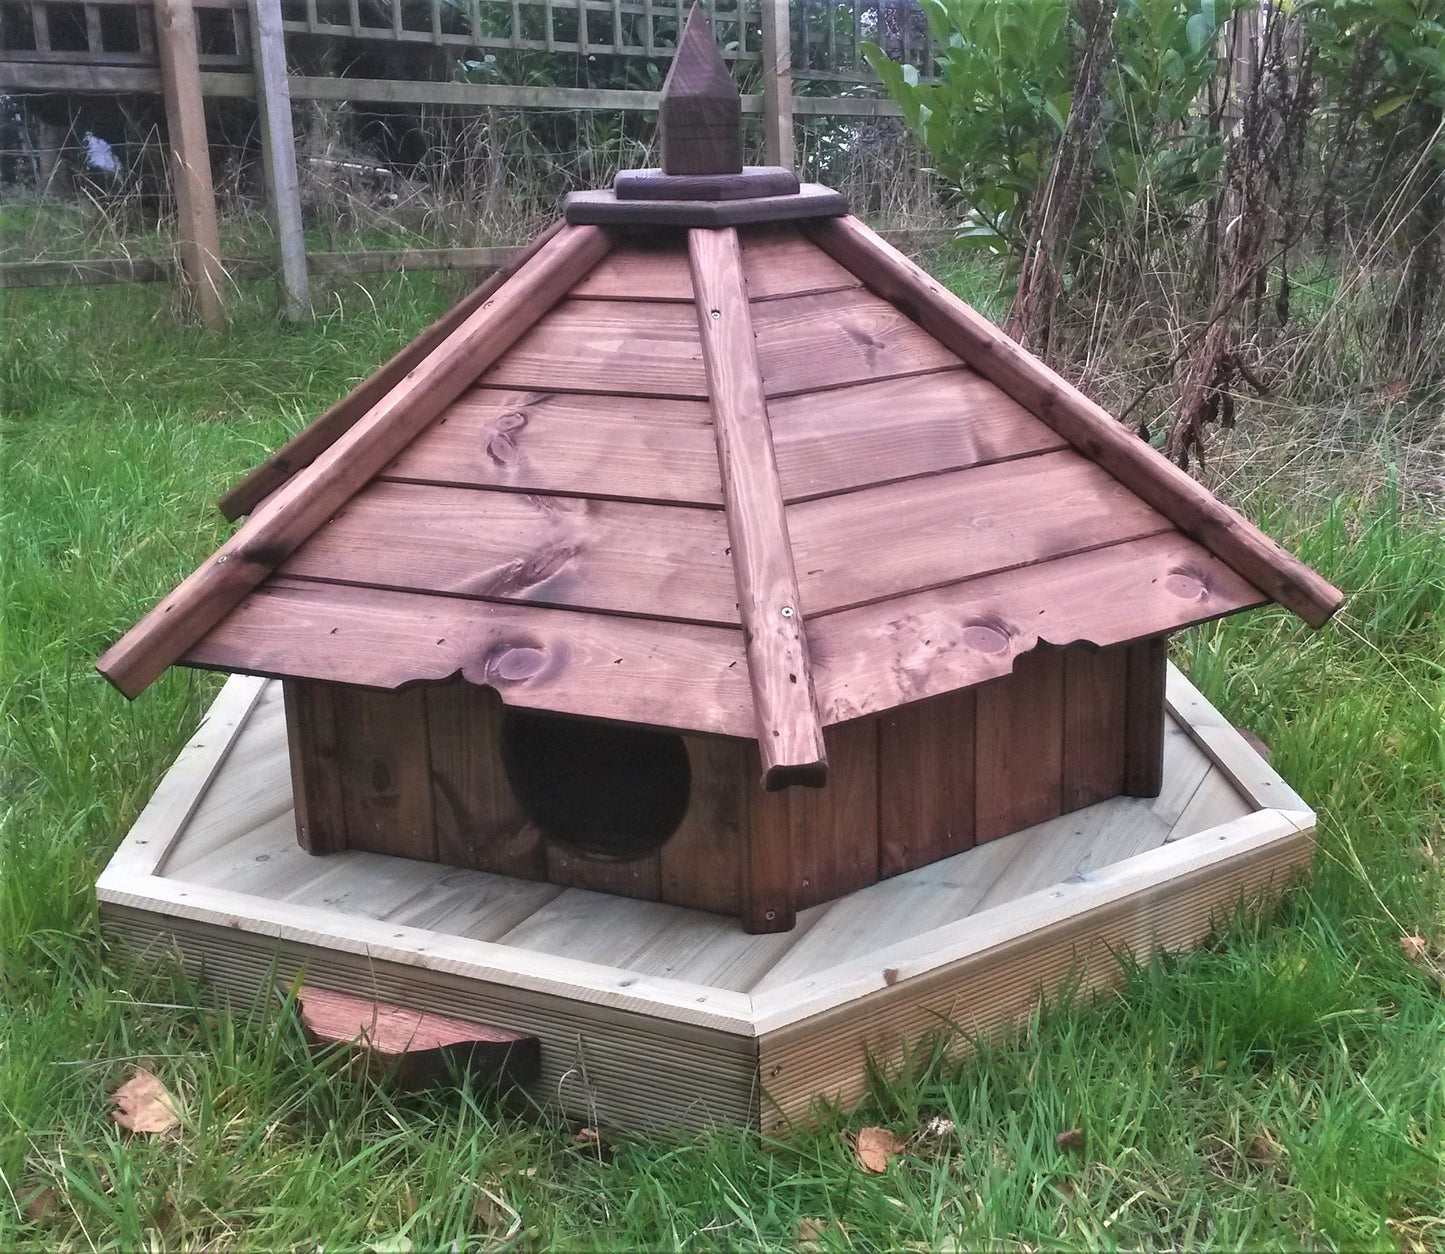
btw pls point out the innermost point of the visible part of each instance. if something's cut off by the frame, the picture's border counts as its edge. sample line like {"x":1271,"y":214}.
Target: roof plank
{"x":631,"y":447}
{"x":894,"y":652}
{"x":903,"y":537}
{"x":682,"y":676}
{"x":876,"y":432}
{"x":657,"y":561}
{"x":1181,"y":499}
{"x":311,"y":496}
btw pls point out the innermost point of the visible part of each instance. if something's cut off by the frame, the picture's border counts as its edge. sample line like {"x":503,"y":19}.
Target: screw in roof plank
{"x":700,"y":112}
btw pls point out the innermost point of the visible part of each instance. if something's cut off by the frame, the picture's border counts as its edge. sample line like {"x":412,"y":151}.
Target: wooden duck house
{"x":715,"y":651}
{"x":718,"y":556}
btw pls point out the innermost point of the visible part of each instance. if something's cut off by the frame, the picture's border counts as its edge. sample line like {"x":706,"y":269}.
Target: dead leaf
{"x":1263,"y":1150}
{"x":1414,"y":946}
{"x":587,"y":1136}
{"x":874,"y":1148}
{"x":39,"y":1204}
{"x":1073,"y":1139}
{"x":143,"y":1104}
{"x":812,"y":1231}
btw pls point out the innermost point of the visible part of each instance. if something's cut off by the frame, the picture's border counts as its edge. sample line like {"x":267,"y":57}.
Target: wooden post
{"x":699,"y":111}
{"x":777,"y":84}
{"x":200,"y":244}
{"x":278,"y":152}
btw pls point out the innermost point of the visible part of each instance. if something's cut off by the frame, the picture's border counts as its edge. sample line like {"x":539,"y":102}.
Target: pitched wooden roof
{"x":749,"y":482}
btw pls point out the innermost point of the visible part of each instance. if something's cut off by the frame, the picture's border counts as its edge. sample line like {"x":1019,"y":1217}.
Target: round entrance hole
{"x":604,"y":789}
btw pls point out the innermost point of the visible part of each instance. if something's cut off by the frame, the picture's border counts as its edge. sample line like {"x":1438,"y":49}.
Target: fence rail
{"x":187,"y":50}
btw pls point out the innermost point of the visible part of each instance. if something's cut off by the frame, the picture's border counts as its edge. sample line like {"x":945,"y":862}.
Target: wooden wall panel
{"x":703,"y":864}
{"x":1019,"y":761}
{"x":629,"y":877}
{"x":315,"y":781}
{"x":1095,"y":682}
{"x":926,"y":782}
{"x":1144,"y":717}
{"x":478,"y":821}
{"x":385,"y":771}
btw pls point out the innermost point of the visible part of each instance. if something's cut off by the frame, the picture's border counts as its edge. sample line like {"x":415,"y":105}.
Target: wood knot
{"x":1186,"y":587}
{"x":982,"y":638}
{"x":518,"y":664}
{"x":501,"y":446}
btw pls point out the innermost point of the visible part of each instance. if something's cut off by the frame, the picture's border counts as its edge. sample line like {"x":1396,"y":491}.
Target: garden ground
{"x":1285,"y":1087}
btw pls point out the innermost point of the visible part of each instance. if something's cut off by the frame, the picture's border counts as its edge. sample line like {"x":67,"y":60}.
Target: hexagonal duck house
{"x":715,"y":555}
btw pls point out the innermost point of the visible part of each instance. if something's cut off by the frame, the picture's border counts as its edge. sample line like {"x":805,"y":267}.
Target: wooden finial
{"x":700,"y":113}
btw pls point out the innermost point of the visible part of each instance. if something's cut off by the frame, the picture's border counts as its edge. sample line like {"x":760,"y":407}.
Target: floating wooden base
{"x":652,"y":1015}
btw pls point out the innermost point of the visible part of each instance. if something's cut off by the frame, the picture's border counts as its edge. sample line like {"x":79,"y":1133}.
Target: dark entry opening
{"x":606,"y":790}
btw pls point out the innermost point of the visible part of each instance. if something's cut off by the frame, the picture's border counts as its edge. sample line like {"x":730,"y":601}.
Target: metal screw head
{"x":770,"y":915}
{"x":716,"y":314}
{"x":787,"y":611}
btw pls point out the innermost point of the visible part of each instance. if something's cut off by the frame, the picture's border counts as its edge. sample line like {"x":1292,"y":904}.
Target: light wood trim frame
{"x":295,"y":511}
{"x":790,"y":731}
{"x":1185,"y":502}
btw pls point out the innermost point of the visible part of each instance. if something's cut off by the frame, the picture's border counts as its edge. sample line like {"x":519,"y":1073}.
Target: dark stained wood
{"x":893,"y":652}
{"x":1018,"y":773}
{"x":478,"y":821}
{"x":1095,"y":682}
{"x":1185,"y":502}
{"x":417,"y":1049}
{"x":307,"y":445}
{"x":877,"y":432}
{"x":825,"y":340}
{"x":920,"y":533}
{"x":630,"y":877}
{"x":656,"y":561}
{"x":1148,"y":669}
{"x":295,"y":511}
{"x":768,"y":904}
{"x":636,"y":348}
{"x":315,"y":779}
{"x":687,"y":677}
{"x":779,"y":261}
{"x":749,"y":182}
{"x":603,"y":208}
{"x":834,"y":830}
{"x":925,"y":782}
{"x":385,"y":771}
{"x":699,"y":111}
{"x":704,"y":864}
{"x":789,"y":733}
{"x":639,"y":448}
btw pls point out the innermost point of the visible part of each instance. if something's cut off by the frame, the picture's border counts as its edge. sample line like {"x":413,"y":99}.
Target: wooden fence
{"x":187,"y":50}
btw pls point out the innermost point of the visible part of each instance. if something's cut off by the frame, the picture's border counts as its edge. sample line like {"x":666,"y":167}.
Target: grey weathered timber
{"x":777,"y":84}
{"x":200,"y":244}
{"x":278,"y":153}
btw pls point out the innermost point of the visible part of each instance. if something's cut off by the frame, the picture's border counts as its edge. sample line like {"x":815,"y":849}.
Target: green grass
{"x":1284,"y":1087}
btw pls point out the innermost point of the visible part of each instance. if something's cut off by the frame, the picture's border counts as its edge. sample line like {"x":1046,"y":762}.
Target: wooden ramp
{"x":651,"y":1015}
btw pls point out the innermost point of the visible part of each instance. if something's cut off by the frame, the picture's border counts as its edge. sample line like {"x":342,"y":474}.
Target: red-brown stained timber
{"x":901,"y":537}
{"x":630,"y":447}
{"x":780,"y":261}
{"x":676,"y":675}
{"x":624,"y":877}
{"x":1144,"y":717}
{"x":418,"y":1049}
{"x":833,"y":441}
{"x":703,"y":863}
{"x":1186,"y":503}
{"x":748,"y":183}
{"x":893,"y":652}
{"x":655,"y":561}
{"x":925,"y":782}
{"x":1095,"y":683}
{"x":790,"y":736}
{"x":295,"y":511}
{"x":307,"y":445}
{"x":385,"y":758}
{"x":1019,"y":755}
{"x":315,"y":779}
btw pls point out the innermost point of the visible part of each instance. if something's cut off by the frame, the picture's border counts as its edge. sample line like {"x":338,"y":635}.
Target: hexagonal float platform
{"x":656,"y":1016}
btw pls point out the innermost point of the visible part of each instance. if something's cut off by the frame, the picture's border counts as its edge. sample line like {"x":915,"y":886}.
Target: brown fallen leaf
{"x":1414,"y":946}
{"x":1073,"y":1139}
{"x":812,"y":1231}
{"x":587,"y":1136}
{"x":39,"y":1204}
{"x":143,"y":1104}
{"x":1263,"y":1150}
{"x":874,"y":1148}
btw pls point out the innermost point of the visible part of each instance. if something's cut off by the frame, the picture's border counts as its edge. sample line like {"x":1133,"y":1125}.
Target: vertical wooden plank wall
{"x":200,"y":244}
{"x":315,"y":768}
{"x":278,"y":153}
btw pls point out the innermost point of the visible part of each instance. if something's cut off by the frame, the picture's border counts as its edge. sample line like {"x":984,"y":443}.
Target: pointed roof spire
{"x":700,"y":113}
